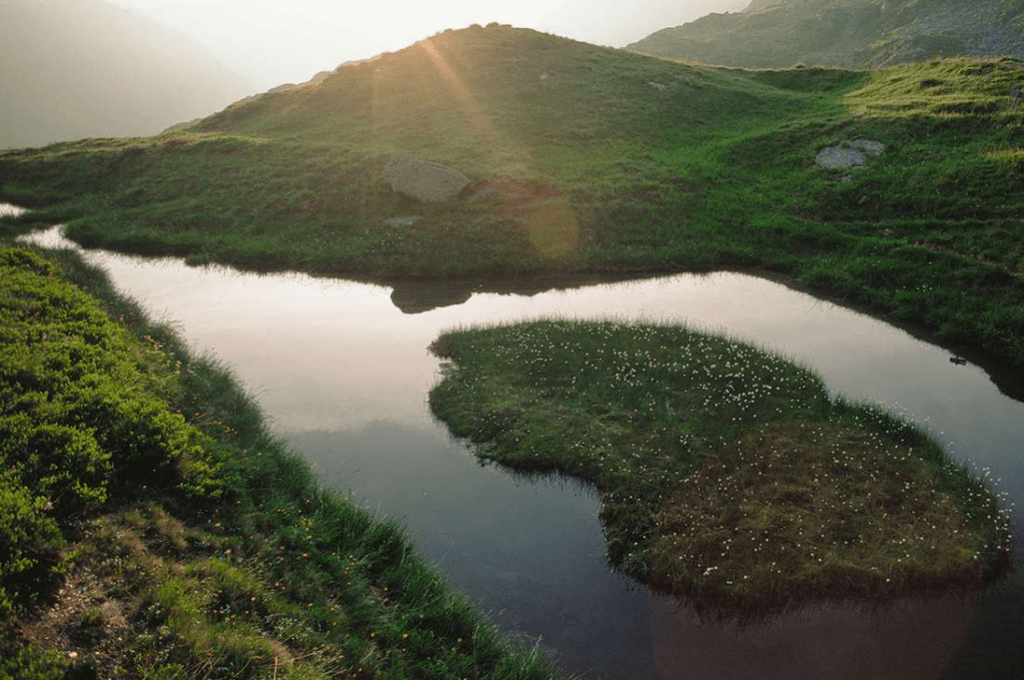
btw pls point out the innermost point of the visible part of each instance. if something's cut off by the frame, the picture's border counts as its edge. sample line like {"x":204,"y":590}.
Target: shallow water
{"x":343,"y":374}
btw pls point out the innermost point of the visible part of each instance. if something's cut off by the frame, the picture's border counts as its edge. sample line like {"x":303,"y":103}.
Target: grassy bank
{"x":151,"y":527}
{"x":586,"y":159}
{"x":727,"y":474}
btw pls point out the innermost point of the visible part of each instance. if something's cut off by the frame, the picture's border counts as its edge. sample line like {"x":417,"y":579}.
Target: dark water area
{"x":343,"y":374}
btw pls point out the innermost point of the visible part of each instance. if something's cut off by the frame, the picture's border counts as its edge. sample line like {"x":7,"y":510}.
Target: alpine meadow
{"x":140,"y":474}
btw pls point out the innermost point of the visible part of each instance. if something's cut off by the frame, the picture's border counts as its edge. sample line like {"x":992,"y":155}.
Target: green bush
{"x":82,"y":416}
{"x":30,"y":663}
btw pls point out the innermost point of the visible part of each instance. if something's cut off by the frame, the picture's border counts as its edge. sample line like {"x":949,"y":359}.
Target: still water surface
{"x":343,"y":374}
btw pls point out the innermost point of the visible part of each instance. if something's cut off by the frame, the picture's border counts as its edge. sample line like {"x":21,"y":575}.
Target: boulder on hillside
{"x":426,"y":181}
{"x":852,"y":155}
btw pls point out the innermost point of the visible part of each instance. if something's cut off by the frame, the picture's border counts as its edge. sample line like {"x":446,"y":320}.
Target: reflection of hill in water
{"x":416,"y":296}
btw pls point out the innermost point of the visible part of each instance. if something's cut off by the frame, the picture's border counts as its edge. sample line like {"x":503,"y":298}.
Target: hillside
{"x":845,"y":33}
{"x":582,"y":159}
{"x":87,"y":68}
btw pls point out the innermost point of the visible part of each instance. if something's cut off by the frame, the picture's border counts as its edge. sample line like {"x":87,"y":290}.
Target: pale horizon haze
{"x":272,"y":42}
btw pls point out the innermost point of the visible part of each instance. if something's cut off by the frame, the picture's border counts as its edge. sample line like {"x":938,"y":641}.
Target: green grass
{"x":599,"y":160}
{"x":727,"y":474}
{"x":151,"y":524}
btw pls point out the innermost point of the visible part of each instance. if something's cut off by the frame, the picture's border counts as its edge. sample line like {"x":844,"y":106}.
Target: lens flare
{"x":552,"y":227}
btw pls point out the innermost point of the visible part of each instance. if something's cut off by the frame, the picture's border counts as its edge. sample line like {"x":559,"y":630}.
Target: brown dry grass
{"x":806,"y":510}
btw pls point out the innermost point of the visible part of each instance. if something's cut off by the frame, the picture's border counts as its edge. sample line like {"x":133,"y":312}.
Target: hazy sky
{"x":271,"y":42}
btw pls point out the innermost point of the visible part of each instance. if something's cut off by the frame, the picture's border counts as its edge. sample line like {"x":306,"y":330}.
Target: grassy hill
{"x":586,"y":159}
{"x":845,"y":33}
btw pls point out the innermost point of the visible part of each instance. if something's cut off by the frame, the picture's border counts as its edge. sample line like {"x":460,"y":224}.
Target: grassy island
{"x":586,"y":159}
{"x":150,"y":527}
{"x":727,"y":474}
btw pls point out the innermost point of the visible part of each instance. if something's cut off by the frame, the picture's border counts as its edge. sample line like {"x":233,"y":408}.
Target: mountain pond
{"x":343,"y":374}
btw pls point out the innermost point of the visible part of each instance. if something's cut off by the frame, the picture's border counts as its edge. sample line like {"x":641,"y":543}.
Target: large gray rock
{"x":839,"y":157}
{"x":424,"y":180}
{"x":853,"y":155}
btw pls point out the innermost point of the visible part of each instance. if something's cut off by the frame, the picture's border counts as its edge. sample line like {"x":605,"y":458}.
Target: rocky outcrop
{"x":426,"y":181}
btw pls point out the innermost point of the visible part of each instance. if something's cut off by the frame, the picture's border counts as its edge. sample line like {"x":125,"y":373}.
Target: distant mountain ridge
{"x":86,"y":68}
{"x":845,"y":33}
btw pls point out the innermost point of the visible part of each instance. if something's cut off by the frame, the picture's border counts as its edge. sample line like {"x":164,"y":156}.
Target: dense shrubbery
{"x":80,"y":421}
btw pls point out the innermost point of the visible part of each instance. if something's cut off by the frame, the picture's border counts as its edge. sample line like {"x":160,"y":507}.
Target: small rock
{"x":403,"y":221}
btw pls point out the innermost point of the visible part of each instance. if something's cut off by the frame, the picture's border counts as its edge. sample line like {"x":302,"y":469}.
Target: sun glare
{"x":547,"y":217}
{"x":272,"y":42}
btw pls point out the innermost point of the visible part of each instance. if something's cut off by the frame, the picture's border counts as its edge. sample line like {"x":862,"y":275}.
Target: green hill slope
{"x":583,"y":159}
{"x":845,"y":33}
{"x":553,"y":133}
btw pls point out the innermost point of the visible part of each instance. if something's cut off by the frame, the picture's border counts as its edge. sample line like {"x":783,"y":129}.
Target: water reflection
{"x":527,"y":550}
{"x":417,"y":296}
{"x":343,"y":373}
{"x":913,"y":640}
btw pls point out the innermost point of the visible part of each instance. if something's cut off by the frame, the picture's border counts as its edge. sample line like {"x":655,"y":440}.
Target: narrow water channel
{"x":343,"y":375}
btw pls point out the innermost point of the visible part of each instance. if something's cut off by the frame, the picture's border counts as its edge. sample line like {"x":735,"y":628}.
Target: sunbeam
{"x":545,"y":213}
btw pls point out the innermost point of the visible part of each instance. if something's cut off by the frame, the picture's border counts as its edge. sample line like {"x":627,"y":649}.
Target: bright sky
{"x":271,"y":42}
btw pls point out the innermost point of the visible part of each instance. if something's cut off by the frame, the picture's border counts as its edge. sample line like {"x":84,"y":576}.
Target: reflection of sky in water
{"x":339,"y":369}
